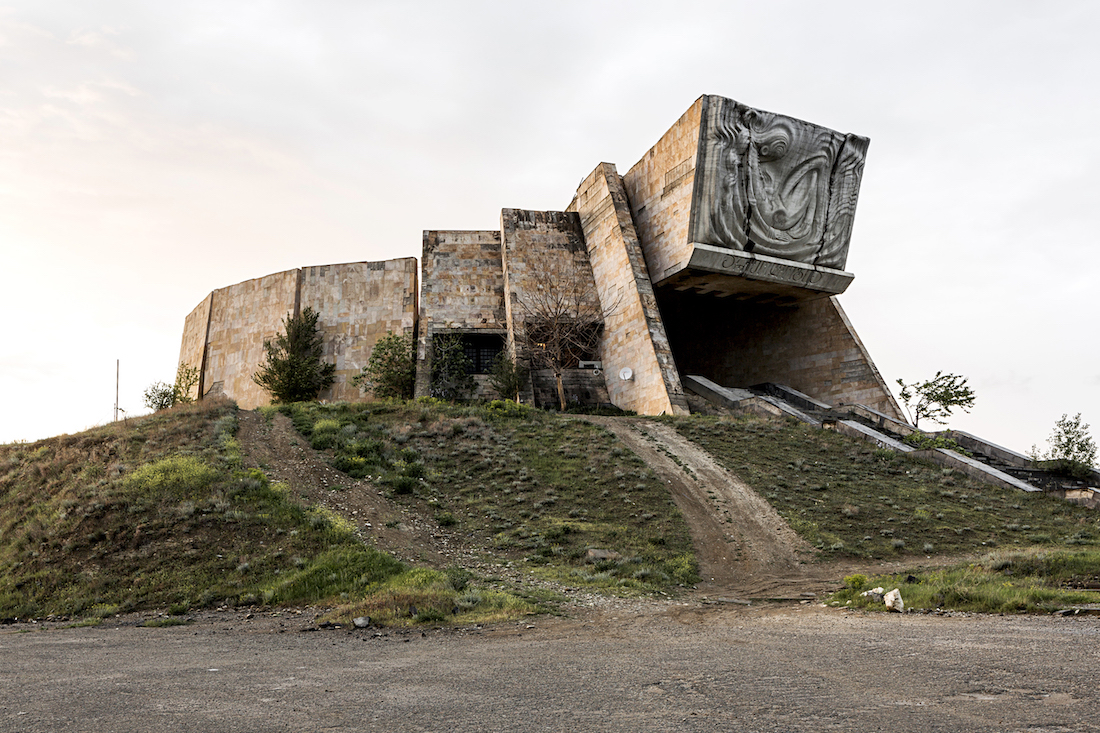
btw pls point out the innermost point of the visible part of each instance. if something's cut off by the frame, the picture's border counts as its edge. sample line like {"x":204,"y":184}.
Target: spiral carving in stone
{"x":775,"y":185}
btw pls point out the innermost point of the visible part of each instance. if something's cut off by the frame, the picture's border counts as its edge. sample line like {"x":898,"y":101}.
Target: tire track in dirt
{"x":743,"y":546}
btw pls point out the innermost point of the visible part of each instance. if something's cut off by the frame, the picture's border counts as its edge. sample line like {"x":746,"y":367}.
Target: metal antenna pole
{"x":116,"y":390}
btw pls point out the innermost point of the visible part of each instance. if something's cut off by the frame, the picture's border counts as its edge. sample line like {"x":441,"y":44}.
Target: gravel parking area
{"x":672,"y":666}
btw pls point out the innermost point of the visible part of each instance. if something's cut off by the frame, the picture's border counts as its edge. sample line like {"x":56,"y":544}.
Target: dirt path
{"x":745,"y":549}
{"x":284,"y":455}
{"x":708,"y":668}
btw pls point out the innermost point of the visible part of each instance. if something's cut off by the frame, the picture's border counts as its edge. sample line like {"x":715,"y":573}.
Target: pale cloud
{"x":100,"y":41}
{"x":156,"y":151}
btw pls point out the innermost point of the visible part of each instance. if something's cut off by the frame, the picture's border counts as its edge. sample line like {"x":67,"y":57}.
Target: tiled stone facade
{"x":669,"y":305}
{"x":462,"y":292}
{"x":241,"y":317}
{"x":660,"y":188}
{"x":358,"y":302}
{"x":634,"y":336}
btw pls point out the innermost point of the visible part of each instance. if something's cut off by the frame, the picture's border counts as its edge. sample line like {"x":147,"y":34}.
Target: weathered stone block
{"x":743,"y":201}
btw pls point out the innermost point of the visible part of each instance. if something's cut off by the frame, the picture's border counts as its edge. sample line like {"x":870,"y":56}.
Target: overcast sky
{"x":151,"y":152}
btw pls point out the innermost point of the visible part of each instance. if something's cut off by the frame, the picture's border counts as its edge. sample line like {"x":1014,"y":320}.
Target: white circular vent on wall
{"x":626,"y":374}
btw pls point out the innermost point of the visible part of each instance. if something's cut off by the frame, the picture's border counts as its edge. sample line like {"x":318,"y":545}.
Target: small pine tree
{"x":293,"y":370}
{"x":391,"y":370}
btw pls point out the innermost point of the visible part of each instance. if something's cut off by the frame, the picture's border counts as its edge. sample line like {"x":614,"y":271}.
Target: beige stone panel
{"x":463,"y":281}
{"x":634,"y":335}
{"x":358,"y":303}
{"x":242,"y":316}
{"x":193,"y":345}
{"x":539,"y":247}
{"x":659,"y":188}
{"x":462,"y":289}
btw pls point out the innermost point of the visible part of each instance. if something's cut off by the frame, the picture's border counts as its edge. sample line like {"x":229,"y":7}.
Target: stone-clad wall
{"x":193,"y":347}
{"x":634,"y":335}
{"x":463,"y":280}
{"x":659,"y":188}
{"x":358,"y":303}
{"x":809,"y":346}
{"x":462,"y":291}
{"x":241,"y":317}
{"x":543,"y":249}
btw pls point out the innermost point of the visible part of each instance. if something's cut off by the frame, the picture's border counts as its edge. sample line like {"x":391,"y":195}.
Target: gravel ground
{"x":632,"y":666}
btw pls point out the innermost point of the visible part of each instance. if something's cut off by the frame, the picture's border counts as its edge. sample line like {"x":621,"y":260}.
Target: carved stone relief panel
{"x":773,"y":185}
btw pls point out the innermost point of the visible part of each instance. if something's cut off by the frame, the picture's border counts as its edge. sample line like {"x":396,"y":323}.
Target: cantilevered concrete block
{"x":738,"y":201}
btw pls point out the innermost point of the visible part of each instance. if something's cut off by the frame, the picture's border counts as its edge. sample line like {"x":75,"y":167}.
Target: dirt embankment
{"x":745,"y":549}
{"x":284,"y":455}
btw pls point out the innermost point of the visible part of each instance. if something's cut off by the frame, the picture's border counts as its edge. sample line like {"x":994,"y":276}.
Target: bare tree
{"x":561,"y":311}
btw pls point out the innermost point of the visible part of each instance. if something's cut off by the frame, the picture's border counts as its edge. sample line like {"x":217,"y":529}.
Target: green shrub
{"x":856,"y":582}
{"x":178,"y":476}
{"x":402,"y":484}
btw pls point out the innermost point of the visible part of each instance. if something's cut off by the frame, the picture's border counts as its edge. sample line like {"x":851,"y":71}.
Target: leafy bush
{"x":1071,"y":448}
{"x":856,"y":581}
{"x":930,"y":441}
{"x":935,"y":398}
{"x":160,"y":396}
{"x":451,"y":377}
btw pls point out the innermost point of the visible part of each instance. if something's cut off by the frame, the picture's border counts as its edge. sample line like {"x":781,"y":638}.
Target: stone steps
{"x":988,"y":462}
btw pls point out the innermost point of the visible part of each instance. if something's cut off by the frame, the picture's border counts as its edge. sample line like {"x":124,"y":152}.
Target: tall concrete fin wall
{"x":358,"y":303}
{"x":634,"y":335}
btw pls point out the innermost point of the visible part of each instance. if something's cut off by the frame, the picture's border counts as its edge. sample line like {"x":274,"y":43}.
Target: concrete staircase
{"x":988,"y":462}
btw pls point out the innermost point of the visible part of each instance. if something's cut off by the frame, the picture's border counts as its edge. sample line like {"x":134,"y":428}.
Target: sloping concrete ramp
{"x":743,"y":546}
{"x":863,"y":423}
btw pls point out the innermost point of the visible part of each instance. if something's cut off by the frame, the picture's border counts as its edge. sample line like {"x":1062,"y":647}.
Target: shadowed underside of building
{"x":719,"y":254}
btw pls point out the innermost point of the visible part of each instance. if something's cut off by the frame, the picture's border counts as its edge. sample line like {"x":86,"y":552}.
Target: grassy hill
{"x":161,"y":513}
{"x":849,"y":498}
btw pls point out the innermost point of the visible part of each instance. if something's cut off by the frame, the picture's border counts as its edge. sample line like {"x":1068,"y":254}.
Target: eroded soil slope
{"x":744,"y":548}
